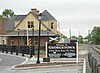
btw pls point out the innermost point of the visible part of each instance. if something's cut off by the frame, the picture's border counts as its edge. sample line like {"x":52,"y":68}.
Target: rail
{"x":17,"y":49}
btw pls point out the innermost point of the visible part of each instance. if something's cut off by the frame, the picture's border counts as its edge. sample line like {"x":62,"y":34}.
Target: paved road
{"x":7,"y":61}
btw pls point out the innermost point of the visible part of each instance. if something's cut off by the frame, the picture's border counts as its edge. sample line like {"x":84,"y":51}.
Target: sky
{"x":79,"y":16}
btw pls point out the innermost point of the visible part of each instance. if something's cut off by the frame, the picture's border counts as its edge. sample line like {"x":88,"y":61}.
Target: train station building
{"x":26,"y":26}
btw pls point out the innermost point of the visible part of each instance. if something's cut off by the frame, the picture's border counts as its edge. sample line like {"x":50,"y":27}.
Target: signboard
{"x":62,"y":50}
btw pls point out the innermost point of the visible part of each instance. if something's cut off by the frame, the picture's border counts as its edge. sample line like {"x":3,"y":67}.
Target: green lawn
{"x":42,"y":51}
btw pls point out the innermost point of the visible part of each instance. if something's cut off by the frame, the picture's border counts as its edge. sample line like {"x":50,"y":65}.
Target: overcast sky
{"x":77,"y":15}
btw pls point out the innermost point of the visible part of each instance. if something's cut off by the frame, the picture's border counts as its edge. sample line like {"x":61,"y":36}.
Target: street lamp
{"x":47,"y":42}
{"x":24,"y":44}
{"x":39,"y":17}
{"x":18,"y":43}
{"x":24,"y":38}
{"x":48,"y":37}
{"x":33,"y":49}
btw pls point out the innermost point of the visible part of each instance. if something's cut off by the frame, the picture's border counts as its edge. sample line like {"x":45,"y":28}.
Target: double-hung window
{"x":52,"y":25}
{"x":30,"y":24}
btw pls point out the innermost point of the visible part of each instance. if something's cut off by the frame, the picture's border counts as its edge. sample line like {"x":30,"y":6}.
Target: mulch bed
{"x":44,"y":64}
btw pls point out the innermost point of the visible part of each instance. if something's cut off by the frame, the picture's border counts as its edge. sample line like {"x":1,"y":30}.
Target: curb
{"x":18,"y":57}
{"x":45,"y":66}
{"x":21,"y":63}
{"x":38,"y":67}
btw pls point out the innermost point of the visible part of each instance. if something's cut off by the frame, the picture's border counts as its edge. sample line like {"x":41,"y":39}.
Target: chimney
{"x":35,"y":11}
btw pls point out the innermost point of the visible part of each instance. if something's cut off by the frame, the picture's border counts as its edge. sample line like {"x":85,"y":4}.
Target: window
{"x":12,"y":42}
{"x":52,"y":24}
{"x":30,"y":24}
{"x":35,"y":41}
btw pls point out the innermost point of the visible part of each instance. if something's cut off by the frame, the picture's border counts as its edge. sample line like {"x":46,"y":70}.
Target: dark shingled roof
{"x":11,"y":22}
{"x":11,"y":25}
{"x":46,"y":15}
{"x":19,"y":17}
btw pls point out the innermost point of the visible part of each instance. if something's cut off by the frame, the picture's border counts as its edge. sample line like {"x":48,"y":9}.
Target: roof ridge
{"x":48,"y":15}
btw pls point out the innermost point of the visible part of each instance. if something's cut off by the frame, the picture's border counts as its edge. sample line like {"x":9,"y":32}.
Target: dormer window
{"x":30,"y":24}
{"x":52,"y":25}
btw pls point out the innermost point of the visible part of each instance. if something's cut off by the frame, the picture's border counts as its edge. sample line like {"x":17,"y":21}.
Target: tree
{"x":95,"y":35}
{"x":0,"y":16}
{"x":7,"y":13}
{"x":62,"y":36}
{"x":74,"y":37}
{"x":80,"y":39}
{"x":88,"y":38}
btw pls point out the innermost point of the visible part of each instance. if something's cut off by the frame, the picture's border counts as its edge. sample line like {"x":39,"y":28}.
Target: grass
{"x":42,"y":51}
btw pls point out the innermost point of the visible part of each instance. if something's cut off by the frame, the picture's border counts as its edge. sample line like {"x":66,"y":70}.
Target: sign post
{"x":46,"y":49}
{"x":46,"y":59}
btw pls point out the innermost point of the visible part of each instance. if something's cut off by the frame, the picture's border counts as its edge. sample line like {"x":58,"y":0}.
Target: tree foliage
{"x":75,"y":37}
{"x":80,"y":39}
{"x":95,"y":35}
{"x":7,"y":13}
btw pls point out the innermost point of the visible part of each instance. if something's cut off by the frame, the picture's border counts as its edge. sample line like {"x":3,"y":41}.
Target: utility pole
{"x":70,"y":34}
{"x":89,"y":40}
{"x":79,"y":33}
{"x":88,"y":36}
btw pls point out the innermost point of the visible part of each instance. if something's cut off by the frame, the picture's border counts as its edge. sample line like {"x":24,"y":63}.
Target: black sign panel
{"x":62,"y":50}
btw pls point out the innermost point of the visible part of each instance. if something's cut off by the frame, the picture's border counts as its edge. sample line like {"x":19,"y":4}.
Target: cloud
{"x":78,"y":15}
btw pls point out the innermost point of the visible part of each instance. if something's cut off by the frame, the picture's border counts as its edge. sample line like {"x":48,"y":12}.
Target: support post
{"x":84,"y":66}
{"x":46,"y":49}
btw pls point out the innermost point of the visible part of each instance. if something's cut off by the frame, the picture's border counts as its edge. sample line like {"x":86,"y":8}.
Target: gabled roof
{"x":11,"y":22}
{"x":46,"y":15}
{"x":19,"y":17}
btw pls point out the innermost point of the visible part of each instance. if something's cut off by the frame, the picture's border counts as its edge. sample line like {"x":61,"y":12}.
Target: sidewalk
{"x":33,"y":60}
{"x":52,"y":67}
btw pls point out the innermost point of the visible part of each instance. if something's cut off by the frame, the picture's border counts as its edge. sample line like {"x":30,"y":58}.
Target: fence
{"x":17,"y":49}
{"x":95,"y":68}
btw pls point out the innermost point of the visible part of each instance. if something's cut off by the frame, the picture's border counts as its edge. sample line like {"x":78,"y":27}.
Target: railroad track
{"x":94,"y":59}
{"x":96,"y":48}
